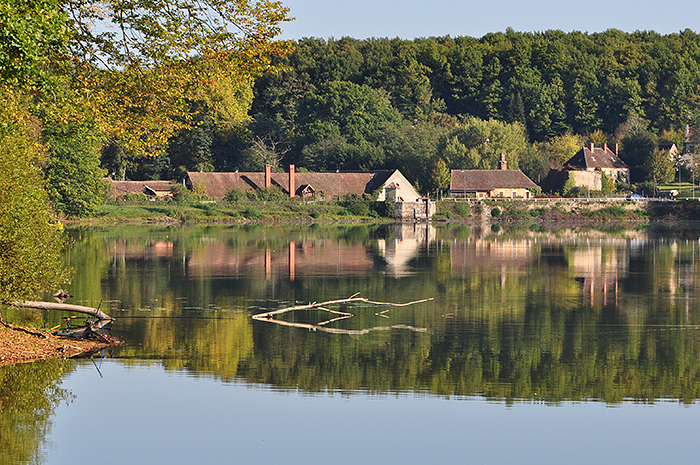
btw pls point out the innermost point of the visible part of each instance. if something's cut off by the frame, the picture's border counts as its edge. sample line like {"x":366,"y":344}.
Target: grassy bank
{"x":140,"y":210}
{"x":354,"y":208}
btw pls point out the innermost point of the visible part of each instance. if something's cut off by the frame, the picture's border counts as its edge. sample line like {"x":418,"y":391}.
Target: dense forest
{"x":431,"y":104}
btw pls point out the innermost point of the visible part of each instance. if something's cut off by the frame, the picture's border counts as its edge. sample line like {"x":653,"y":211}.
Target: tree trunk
{"x":103,"y":317}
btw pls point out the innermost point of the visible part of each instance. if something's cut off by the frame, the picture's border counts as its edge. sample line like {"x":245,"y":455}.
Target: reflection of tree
{"x":29,"y":395}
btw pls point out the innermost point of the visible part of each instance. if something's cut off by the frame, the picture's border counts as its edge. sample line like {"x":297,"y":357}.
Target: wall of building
{"x":411,"y":211}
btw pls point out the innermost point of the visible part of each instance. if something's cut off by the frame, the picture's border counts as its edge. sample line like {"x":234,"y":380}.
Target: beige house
{"x":483,"y":184}
{"x":598,"y":160}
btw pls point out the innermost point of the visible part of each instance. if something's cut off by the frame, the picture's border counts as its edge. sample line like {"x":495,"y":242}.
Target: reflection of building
{"x":405,"y":246}
{"x":494,"y":254}
{"x":305,"y":258}
{"x":126,"y":249}
{"x":598,"y":270}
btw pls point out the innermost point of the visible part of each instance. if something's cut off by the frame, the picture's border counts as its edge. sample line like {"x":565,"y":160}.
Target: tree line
{"x":431,"y":104}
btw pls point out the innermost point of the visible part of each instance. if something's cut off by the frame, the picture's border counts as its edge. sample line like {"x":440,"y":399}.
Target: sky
{"x":409,"y":19}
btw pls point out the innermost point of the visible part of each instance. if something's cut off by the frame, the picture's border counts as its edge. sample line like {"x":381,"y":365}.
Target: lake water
{"x":562,"y":346}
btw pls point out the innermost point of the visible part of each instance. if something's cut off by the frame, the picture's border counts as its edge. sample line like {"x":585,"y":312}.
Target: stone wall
{"x":422,"y":210}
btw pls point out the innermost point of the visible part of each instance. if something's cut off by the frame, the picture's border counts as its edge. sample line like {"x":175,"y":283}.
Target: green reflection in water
{"x":29,"y":396}
{"x":518,"y":314}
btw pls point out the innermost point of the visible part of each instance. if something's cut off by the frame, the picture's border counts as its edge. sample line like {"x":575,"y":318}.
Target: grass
{"x":161,"y":211}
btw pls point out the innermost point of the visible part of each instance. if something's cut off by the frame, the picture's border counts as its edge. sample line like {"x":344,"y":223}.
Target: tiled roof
{"x":129,"y":187}
{"x":345,"y":182}
{"x":486,"y":180}
{"x":601,"y":157}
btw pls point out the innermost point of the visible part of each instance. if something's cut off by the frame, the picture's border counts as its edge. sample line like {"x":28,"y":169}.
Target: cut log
{"x":99,"y":314}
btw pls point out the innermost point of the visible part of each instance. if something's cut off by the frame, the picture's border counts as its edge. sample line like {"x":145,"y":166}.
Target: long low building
{"x":324,"y":185}
{"x":483,"y":184}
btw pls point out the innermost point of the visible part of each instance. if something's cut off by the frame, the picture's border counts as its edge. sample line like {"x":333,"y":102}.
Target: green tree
{"x":638,"y":146}
{"x":30,"y":238}
{"x":562,"y":148}
{"x":73,"y":174}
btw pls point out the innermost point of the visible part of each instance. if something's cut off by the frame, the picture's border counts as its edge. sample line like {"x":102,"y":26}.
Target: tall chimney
{"x":503,"y":164}
{"x":292,"y":182}
{"x":592,"y":146}
{"x":268,"y":177}
{"x":605,"y":147}
{"x":616,"y":146}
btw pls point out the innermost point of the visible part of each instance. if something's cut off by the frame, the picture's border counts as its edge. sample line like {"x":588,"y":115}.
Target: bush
{"x":496,"y":212}
{"x":463,"y":209}
{"x":134,"y":198}
{"x":252,"y":213}
{"x":234,"y":195}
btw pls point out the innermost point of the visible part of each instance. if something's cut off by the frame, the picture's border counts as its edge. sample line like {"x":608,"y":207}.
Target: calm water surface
{"x":563,"y":346}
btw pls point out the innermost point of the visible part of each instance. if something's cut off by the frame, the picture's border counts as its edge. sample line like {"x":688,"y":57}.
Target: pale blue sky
{"x":409,"y":19}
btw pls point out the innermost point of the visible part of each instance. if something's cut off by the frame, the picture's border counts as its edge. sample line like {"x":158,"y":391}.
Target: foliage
{"x":30,"y":393}
{"x":478,"y":144}
{"x":30,"y":30}
{"x":607,"y":184}
{"x":234,"y":195}
{"x":561,"y":148}
{"x":73,"y":174}
{"x":569,"y":187}
{"x":30,"y":238}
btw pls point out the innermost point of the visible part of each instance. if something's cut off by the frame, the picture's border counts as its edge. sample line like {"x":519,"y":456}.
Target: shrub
{"x":252,"y":213}
{"x":463,"y":209}
{"x":234,"y":195}
{"x":496,"y":212}
{"x":135,"y":198}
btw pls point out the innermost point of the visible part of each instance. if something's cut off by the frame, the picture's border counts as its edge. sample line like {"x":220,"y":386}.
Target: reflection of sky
{"x":146,"y":415}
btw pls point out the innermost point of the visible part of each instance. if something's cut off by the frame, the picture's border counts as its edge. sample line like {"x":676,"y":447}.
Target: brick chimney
{"x":605,"y":147}
{"x":503,"y":164}
{"x":292,"y":182}
{"x":616,"y":146}
{"x":268,"y":176}
{"x":592,"y":147}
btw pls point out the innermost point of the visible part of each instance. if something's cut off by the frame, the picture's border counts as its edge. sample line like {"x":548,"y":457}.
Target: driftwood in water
{"x":100,"y":315}
{"x":270,"y":316}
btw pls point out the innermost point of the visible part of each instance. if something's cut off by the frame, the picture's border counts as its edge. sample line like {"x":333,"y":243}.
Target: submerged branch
{"x":321,"y":305}
{"x":269,"y":316}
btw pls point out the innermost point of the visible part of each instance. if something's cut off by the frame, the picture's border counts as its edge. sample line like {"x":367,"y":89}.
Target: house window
{"x":515,"y":194}
{"x":501,"y":194}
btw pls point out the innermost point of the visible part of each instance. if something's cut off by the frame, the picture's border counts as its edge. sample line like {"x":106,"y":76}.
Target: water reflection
{"x":29,"y":395}
{"x":518,"y":314}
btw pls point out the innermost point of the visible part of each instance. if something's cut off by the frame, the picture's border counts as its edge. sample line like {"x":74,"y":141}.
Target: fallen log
{"x":97,"y":313}
{"x":322,"y":326}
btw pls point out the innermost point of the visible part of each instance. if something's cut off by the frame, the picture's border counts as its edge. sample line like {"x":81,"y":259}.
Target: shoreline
{"x":20,"y":344}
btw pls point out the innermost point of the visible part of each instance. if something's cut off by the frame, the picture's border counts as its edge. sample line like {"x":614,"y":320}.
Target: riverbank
{"x":20,"y":344}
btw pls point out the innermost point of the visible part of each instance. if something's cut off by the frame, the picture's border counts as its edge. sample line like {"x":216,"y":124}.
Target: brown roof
{"x":601,"y":157}
{"x":349,"y":182}
{"x":145,"y":187}
{"x":486,"y":180}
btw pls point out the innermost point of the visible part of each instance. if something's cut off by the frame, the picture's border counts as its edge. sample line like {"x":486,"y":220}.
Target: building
{"x":482,"y":184}
{"x":324,"y":185}
{"x":589,"y":162}
{"x":152,"y":189}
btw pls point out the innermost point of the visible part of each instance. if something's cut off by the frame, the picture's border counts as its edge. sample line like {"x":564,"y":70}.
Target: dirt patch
{"x":18,"y":346}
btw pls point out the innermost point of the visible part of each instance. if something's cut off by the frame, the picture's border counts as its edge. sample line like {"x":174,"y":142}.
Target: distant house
{"x":152,"y":189}
{"x":482,"y":184}
{"x":589,"y":162}
{"x":326,"y":185}
{"x":392,"y":185}
{"x":672,"y":150}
